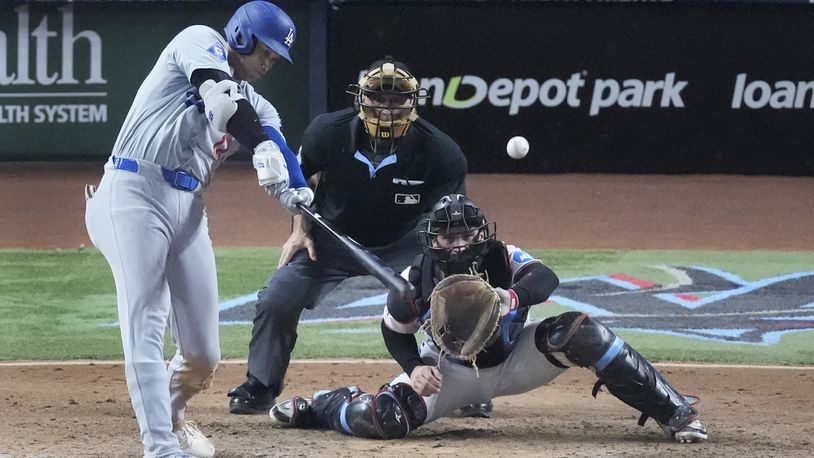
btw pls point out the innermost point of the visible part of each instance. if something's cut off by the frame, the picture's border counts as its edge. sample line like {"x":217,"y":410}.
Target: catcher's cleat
{"x":684,"y":426}
{"x":90,"y":190}
{"x":482,"y":410}
{"x":193,"y":441}
{"x":293,"y":413}
{"x":250,"y":399}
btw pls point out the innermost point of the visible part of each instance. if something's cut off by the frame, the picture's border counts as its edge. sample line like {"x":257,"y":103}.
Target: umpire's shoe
{"x":482,"y":410}
{"x":251,"y":398}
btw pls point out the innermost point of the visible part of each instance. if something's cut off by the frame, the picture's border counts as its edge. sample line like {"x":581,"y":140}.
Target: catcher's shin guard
{"x":389,"y":414}
{"x":586,"y":342}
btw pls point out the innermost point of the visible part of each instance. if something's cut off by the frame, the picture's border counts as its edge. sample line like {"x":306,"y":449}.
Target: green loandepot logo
{"x":466,"y":91}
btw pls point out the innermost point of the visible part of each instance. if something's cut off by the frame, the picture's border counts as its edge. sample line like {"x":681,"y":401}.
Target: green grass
{"x":751,"y":265}
{"x":51,"y":302}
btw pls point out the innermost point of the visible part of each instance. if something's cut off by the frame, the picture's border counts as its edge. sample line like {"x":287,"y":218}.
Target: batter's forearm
{"x":245,"y":126}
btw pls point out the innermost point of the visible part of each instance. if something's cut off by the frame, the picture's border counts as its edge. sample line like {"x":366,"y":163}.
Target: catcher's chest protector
{"x":495,"y":265}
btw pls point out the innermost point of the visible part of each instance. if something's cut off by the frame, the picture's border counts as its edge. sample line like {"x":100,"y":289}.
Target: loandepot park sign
{"x":37,"y":38}
{"x":578,"y":91}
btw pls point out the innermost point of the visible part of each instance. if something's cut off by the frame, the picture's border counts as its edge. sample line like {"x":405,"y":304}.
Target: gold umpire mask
{"x":386,"y":96}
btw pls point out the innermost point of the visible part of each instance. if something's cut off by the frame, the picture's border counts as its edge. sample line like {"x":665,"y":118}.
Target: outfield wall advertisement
{"x":602,"y":87}
{"x":630,"y":87}
{"x":69,"y":71}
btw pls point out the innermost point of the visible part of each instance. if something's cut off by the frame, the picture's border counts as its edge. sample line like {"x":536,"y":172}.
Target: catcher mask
{"x":456,"y":233}
{"x":386,"y":96}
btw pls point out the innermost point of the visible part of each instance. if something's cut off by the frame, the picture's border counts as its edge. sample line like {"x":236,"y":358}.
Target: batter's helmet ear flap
{"x":264,"y":21}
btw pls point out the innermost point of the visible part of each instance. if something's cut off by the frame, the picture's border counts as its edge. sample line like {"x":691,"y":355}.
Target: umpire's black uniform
{"x":379,"y":207}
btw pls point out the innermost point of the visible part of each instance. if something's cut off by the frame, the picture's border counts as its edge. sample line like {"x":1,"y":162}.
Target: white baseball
{"x":517,"y":147}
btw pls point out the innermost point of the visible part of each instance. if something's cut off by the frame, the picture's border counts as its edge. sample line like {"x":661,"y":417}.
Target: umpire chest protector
{"x":376,"y":204}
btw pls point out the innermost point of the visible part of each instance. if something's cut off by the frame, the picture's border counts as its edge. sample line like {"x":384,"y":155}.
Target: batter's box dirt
{"x":83,"y":410}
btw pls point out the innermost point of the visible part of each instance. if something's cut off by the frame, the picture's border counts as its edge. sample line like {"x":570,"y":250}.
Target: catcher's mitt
{"x":465,"y":313}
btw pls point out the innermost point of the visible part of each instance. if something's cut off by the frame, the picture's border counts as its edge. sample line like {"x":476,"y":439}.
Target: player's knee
{"x":206,"y":358}
{"x":574,"y":338}
{"x":268,"y":306}
{"x":554,"y":332}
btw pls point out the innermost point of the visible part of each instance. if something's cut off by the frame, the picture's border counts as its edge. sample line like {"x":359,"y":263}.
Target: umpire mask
{"x":386,"y":96}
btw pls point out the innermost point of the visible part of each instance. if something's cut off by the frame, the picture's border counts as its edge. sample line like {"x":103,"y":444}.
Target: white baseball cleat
{"x":694,"y":431}
{"x":293,"y":413}
{"x":684,"y":426}
{"x":193,"y":441}
{"x":689,"y":430}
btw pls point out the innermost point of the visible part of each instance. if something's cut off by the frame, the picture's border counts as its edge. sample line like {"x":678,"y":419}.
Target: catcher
{"x":474,"y":294}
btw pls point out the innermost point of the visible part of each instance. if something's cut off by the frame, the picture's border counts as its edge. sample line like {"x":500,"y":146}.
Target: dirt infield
{"x":83,"y":410}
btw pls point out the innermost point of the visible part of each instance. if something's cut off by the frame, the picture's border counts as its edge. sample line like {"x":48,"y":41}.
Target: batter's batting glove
{"x":276,"y":190}
{"x":291,"y":197}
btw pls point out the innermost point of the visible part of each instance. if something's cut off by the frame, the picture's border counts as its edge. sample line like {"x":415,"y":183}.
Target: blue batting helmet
{"x":263,"y":21}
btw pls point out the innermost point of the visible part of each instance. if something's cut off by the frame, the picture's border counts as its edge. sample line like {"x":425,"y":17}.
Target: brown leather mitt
{"x":465,"y":313}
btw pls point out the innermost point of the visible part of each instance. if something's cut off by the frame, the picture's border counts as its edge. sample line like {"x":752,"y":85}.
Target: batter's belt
{"x":178,"y":179}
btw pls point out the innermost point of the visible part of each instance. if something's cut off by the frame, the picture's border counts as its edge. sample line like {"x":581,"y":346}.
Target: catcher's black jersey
{"x":376,"y":205}
{"x":503,"y":266}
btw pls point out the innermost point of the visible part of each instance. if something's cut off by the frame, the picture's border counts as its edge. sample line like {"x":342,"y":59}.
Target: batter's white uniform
{"x":524,"y":369}
{"x":155,"y":237}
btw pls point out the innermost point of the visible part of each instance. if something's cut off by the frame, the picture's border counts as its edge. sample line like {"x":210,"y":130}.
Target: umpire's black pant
{"x":301,"y":284}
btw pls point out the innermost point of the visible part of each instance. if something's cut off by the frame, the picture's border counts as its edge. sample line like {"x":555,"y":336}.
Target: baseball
{"x":517,"y":147}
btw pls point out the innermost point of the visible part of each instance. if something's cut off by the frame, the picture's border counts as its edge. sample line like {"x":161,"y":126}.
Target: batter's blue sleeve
{"x":295,"y":176}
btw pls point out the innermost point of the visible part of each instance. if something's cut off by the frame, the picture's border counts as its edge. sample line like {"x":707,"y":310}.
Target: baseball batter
{"x":148,"y":216}
{"x":517,"y":358}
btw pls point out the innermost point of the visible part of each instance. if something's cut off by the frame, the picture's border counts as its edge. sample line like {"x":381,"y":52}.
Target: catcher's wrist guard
{"x":508,"y":300}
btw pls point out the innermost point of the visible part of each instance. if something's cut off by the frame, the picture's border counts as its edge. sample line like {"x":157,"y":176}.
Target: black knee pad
{"x":556,"y":331}
{"x":398,"y":409}
{"x":583,"y":341}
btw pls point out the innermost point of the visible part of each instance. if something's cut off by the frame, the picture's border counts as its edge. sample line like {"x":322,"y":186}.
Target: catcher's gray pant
{"x":302,"y":284}
{"x":525,"y":369}
{"x":156,"y":240}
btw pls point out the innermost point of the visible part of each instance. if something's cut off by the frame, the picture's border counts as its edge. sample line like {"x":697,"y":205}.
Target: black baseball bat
{"x":392,"y":280}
